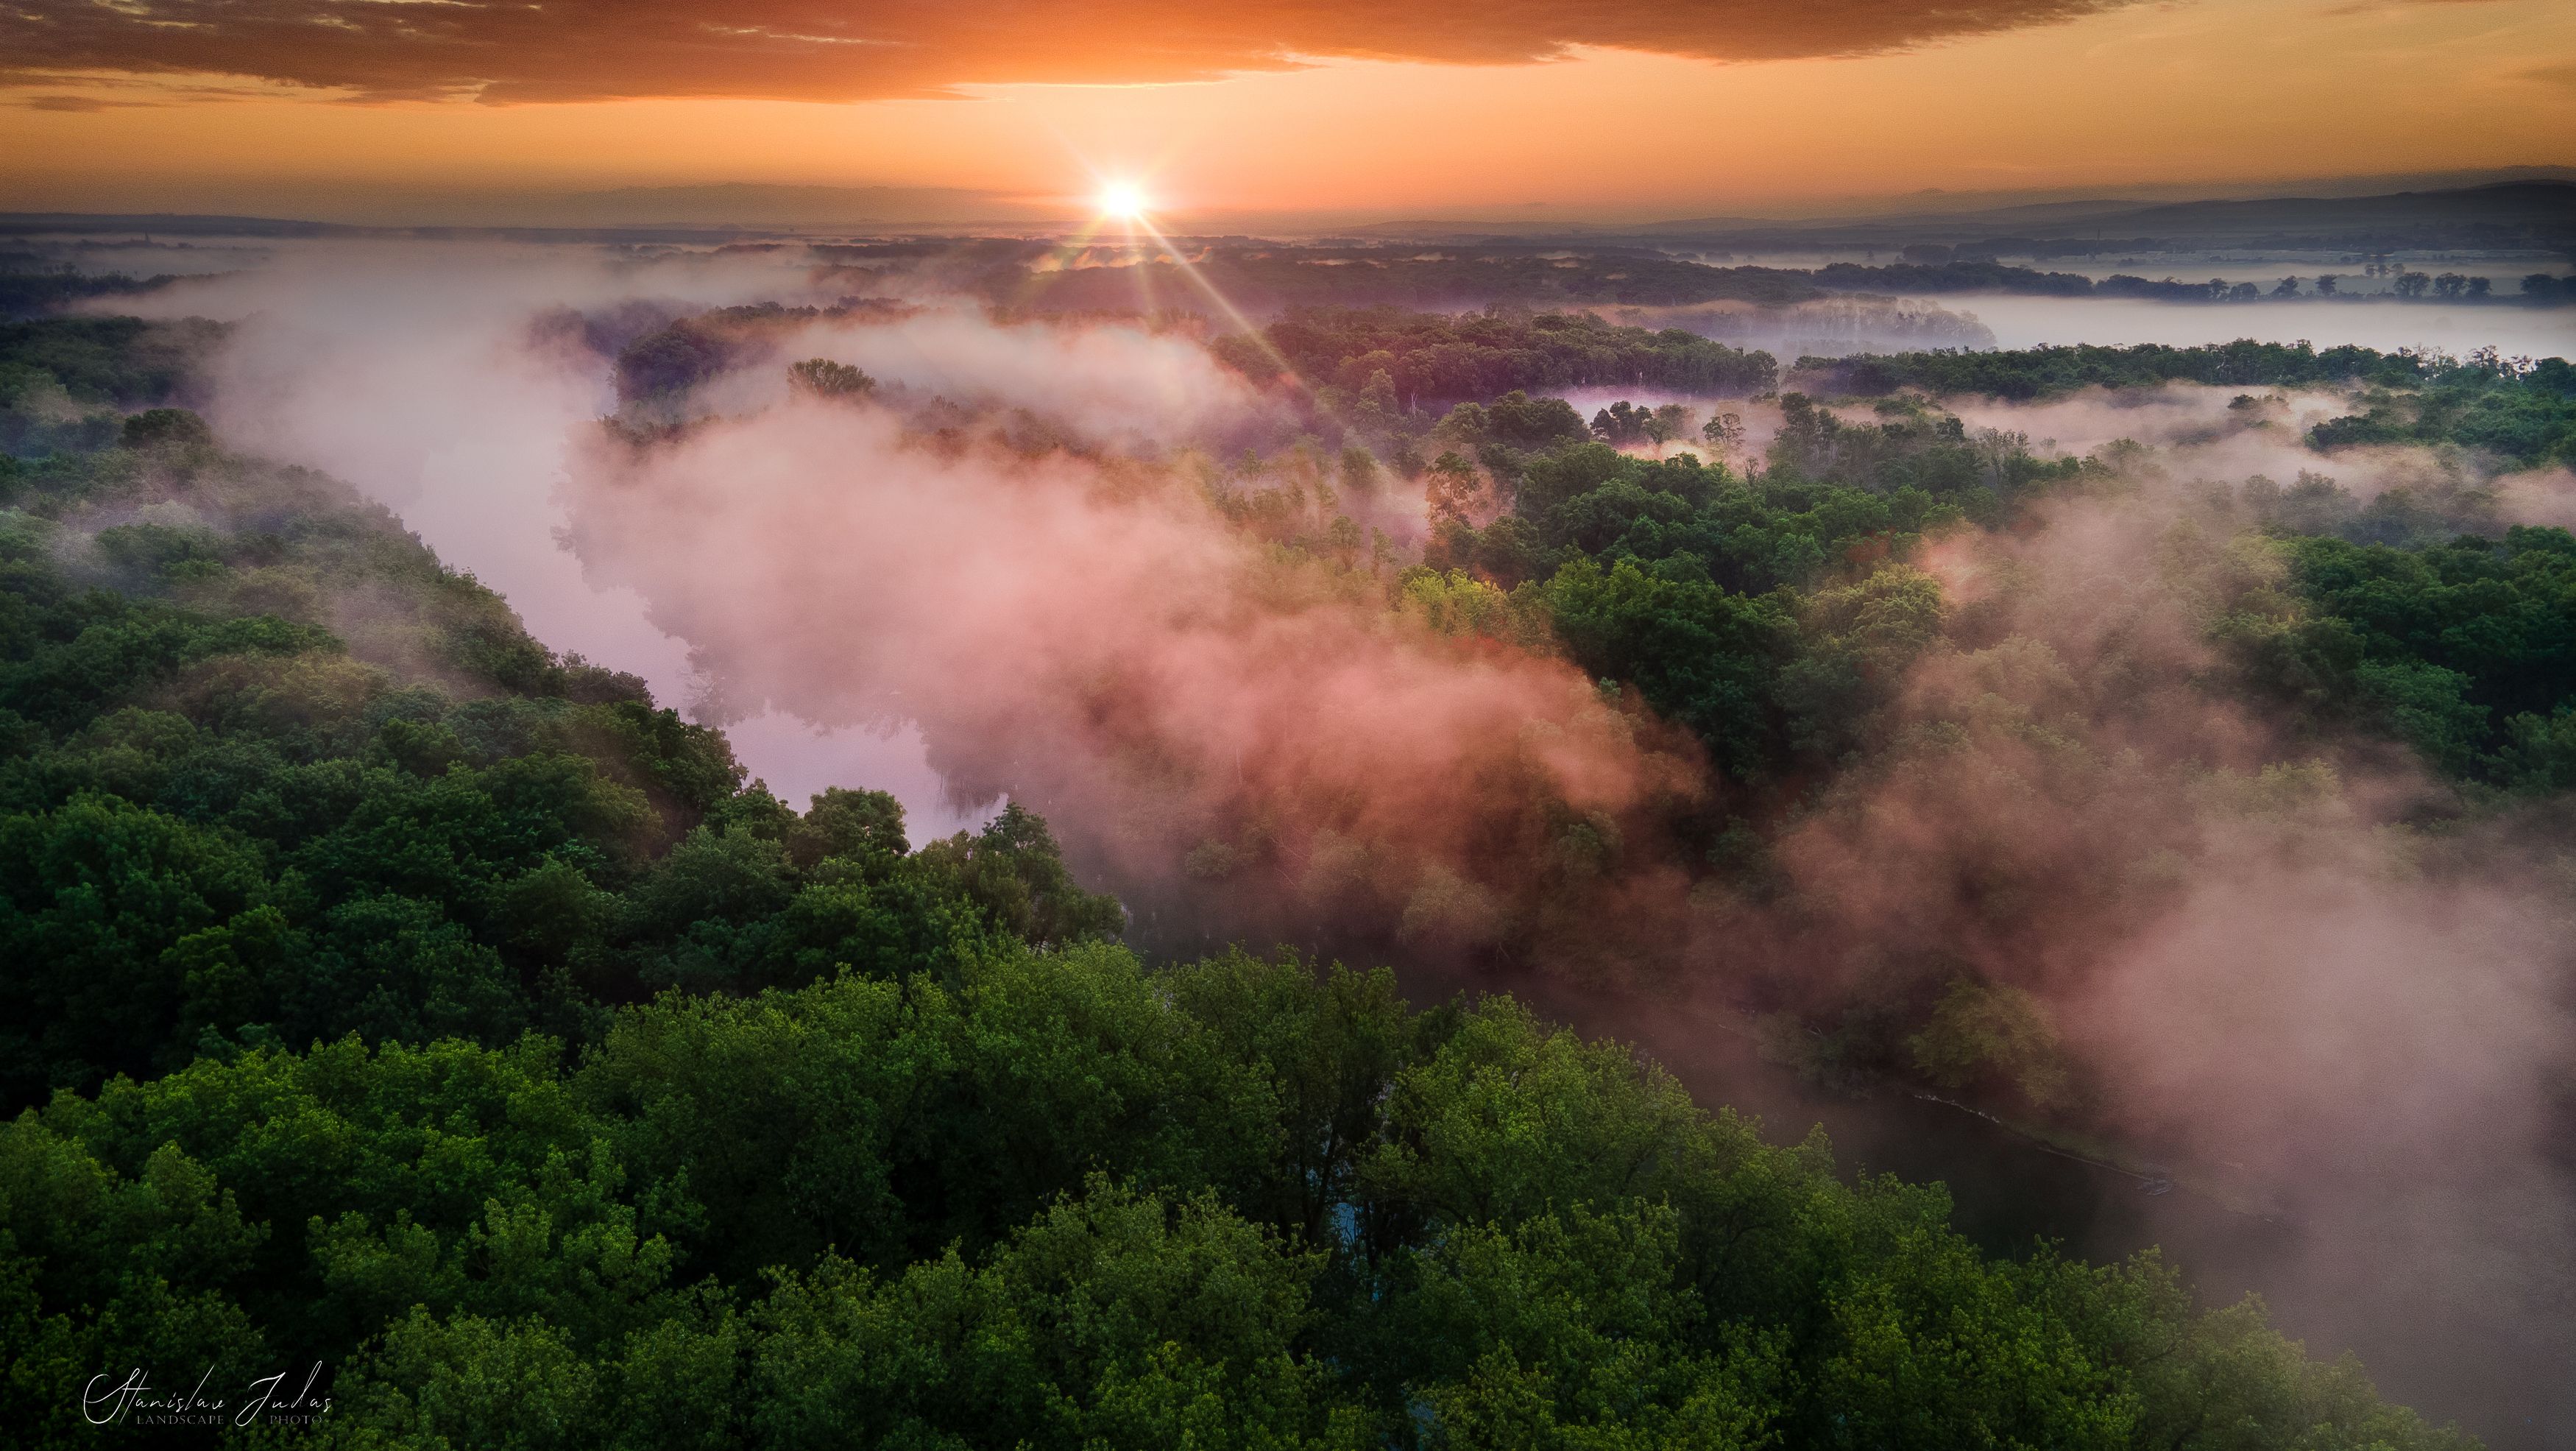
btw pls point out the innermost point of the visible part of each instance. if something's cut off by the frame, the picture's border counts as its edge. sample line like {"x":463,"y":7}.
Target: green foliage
{"x":390,"y":994}
{"x":2465,"y":649}
{"x":824,"y":378}
{"x":2522,"y":413}
{"x":1261,"y":277}
{"x":1983,"y":1030}
{"x":123,"y":360}
{"x":2038,"y":372}
{"x":1072,"y":1201}
{"x":1703,"y":655}
{"x":2516,"y":410}
{"x":224,"y":824}
{"x":1693,"y":583}
{"x":1914,"y":279}
{"x":165,"y":426}
{"x":1480,"y":356}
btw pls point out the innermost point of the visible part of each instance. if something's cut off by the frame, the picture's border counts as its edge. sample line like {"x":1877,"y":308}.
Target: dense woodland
{"x":1430,"y":358}
{"x":1768,"y":600}
{"x":29,"y":285}
{"x":389,"y":992}
{"x":1644,"y":564}
{"x":1331,"y":275}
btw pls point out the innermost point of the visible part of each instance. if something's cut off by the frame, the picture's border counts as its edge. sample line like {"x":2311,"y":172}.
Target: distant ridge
{"x":2538,"y":213}
{"x":176,"y":224}
{"x":2549,"y":204}
{"x":2527,"y":211}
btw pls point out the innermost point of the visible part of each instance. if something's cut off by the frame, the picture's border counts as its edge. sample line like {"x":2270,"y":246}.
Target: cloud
{"x":576,"y":50}
{"x":69,"y":103}
{"x":2561,"y":74}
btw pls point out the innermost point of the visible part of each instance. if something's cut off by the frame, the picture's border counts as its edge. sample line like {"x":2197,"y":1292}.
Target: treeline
{"x":1527,"y":276}
{"x":1062,"y":1200}
{"x":2025,"y":373}
{"x":1269,"y":276}
{"x":1920,"y":278}
{"x":1773,"y":605}
{"x":1434,"y":357}
{"x":2465,"y":648}
{"x":1148,"y":278}
{"x":274,"y":775}
{"x":26,"y":291}
{"x":1959,"y":276}
{"x":403,"y":998}
{"x":1693,"y":582}
{"x":67,"y":383}
{"x":1705,"y":587}
{"x":2519,"y":411}
{"x":2516,"y":409}
{"x":678,"y":355}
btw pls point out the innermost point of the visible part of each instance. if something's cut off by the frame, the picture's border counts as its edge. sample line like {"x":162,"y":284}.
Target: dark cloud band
{"x":563,"y":50}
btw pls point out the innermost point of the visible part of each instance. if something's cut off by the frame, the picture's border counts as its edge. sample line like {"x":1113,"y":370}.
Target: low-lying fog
{"x":310,"y":378}
{"x":464,"y":431}
{"x":806,"y":554}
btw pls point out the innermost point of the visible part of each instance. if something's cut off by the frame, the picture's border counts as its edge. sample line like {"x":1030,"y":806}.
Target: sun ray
{"x":1226,"y":305}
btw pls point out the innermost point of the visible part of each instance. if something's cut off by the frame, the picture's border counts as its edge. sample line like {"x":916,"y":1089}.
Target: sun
{"x":1121,"y":200}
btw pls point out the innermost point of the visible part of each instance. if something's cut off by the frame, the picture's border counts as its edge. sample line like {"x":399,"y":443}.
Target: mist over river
{"x":2458,"y":329}
{"x":474,"y":456}
{"x":2437,"y":1347}
{"x":1588,"y":723}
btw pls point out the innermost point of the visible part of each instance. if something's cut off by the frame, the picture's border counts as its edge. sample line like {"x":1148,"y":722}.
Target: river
{"x":2510,"y":328}
{"x":388,"y":417}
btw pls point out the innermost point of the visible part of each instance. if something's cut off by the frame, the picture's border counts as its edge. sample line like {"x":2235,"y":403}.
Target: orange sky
{"x":1423,"y":118}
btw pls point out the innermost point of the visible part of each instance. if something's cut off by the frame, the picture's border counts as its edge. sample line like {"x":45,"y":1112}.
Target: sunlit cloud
{"x":813,"y":50}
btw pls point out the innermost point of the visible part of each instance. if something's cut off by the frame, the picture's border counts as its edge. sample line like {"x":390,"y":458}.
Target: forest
{"x":1430,"y":358}
{"x":1639,"y":563}
{"x":393,"y":994}
{"x":1332,"y":275}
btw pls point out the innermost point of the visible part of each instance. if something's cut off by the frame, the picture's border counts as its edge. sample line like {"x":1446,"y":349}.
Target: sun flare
{"x":1122,"y":200}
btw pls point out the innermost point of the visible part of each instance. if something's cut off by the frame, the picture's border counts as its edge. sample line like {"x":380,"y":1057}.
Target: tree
{"x":463,"y":1021}
{"x":1452,"y":487}
{"x":1519,"y":421}
{"x":1671,"y":421}
{"x":2286,"y":287}
{"x":1377,"y":402}
{"x":2412,"y":284}
{"x":2326,"y":282}
{"x":1015,"y":871}
{"x":1621,"y":423}
{"x":823,"y":378}
{"x":160,"y":426}
{"x":1988,"y":1029}
{"x":1359,"y":471}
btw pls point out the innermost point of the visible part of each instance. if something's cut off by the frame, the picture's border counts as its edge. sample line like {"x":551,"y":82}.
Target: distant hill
{"x":2521,"y":212}
{"x":166,"y":224}
{"x":1438,"y":229}
{"x":2542,"y":208}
